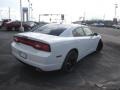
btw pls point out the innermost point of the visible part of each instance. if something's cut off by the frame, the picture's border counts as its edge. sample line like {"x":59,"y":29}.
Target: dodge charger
{"x":55,"y":46}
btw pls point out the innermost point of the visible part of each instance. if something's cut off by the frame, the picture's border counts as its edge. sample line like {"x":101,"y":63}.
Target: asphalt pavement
{"x":94,"y":72}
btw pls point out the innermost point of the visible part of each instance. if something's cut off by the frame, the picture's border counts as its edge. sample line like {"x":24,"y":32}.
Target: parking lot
{"x":94,"y":72}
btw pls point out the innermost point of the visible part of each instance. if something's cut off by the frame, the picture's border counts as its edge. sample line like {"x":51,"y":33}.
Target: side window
{"x":87,"y":31}
{"x":78,"y":32}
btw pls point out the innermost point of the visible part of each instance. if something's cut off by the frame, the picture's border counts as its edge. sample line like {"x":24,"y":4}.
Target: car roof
{"x":54,"y":25}
{"x":68,"y":28}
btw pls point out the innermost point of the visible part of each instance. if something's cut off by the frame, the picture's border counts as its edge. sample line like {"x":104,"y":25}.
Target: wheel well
{"x":99,"y":46}
{"x":100,"y":40}
{"x":74,"y":49}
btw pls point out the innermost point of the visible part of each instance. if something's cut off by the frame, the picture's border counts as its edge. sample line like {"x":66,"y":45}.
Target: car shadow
{"x":56,"y":78}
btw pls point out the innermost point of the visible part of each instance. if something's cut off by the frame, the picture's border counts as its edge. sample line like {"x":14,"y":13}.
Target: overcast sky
{"x":73,"y":9}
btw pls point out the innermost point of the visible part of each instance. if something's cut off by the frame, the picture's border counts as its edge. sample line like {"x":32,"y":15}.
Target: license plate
{"x":23,"y":55}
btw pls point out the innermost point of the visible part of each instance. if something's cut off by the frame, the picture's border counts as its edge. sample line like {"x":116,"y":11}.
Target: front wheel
{"x":70,"y":61}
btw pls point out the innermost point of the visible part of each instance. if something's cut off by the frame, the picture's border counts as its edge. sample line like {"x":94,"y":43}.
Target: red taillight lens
{"x":41,"y":46}
{"x":16,"y":39}
{"x":35,"y":44}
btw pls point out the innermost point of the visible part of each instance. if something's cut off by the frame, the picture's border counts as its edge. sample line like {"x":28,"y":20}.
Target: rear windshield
{"x":56,"y":31}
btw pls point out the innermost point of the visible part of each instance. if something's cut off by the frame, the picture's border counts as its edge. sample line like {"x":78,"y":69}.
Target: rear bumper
{"x":43,"y":60}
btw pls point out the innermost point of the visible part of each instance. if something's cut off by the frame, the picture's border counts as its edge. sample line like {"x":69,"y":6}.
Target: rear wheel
{"x":70,"y":61}
{"x":100,"y":46}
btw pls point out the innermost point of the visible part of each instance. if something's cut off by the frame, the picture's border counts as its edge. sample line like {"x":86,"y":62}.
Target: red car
{"x":3,"y":22}
{"x":15,"y":25}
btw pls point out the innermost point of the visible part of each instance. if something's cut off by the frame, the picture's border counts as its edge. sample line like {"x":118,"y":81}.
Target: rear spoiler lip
{"x":39,"y":40}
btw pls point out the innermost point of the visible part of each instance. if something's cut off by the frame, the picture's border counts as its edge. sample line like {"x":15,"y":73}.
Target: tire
{"x":70,"y":61}
{"x":8,"y":29}
{"x":16,"y":28}
{"x":100,"y":46}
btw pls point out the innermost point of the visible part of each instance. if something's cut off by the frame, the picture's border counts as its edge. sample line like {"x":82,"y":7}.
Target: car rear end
{"x":35,"y":51}
{"x":11,"y":25}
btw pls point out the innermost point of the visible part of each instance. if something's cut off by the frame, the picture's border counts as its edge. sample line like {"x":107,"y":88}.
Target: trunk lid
{"x":41,"y":37}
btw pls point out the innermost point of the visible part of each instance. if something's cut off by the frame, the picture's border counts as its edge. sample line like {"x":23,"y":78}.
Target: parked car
{"x":38,"y":25}
{"x":56,"y":46}
{"x":116,"y":26}
{"x":3,"y":22}
{"x":30,"y":23}
{"x":15,"y":25}
{"x":98,"y":24}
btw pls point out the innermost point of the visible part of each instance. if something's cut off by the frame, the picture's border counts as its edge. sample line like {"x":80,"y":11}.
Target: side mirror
{"x":95,"y":34}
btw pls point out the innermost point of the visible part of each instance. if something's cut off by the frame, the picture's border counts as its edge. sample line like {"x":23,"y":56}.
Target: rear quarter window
{"x":56,"y":32}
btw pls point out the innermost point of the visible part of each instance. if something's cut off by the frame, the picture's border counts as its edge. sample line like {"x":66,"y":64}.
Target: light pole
{"x":84,"y":16}
{"x":39,"y":18}
{"x":9,"y":12}
{"x":21,"y":16}
{"x":30,"y":10}
{"x":1,"y":14}
{"x":103,"y":17}
{"x":116,"y":6}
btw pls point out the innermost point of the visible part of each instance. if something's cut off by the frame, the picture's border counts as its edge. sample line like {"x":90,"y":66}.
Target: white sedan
{"x":55,"y":46}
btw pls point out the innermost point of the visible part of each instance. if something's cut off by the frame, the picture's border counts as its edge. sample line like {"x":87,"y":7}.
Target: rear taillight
{"x":34,"y":44}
